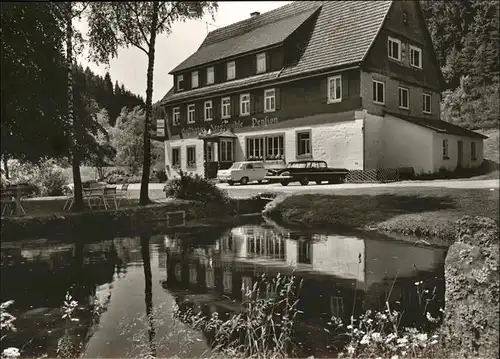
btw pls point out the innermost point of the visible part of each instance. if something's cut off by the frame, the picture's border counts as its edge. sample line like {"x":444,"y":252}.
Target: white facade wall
{"x":452,"y":161}
{"x":183,"y":144}
{"x":392,"y":143}
{"x":339,"y":144}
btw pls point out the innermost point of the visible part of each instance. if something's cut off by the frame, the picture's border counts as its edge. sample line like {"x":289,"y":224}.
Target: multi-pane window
{"x":194,"y":79}
{"x":274,"y":147}
{"x":226,"y":150}
{"x":445,"y":149}
{"x":227,"y":282}
{"x":303,"y":143}
{"x":245,"y":105}
{"x":415,"y":57}
{"x":226,"y":107}
{"x":261,"y":63}
{"x":378,"y":92}
{"x":394,"y":48}
{"x":191,"y":109}
{"x":208,"y":110}
{"x":269,"y":100}
{"x":209,"y":278}
{"x":180,"y":82}
{"x":176,"y":116}
{"x":210,"y":75}
{"x":404,"y":98}
{"x":426,"y":103}
{"x":473,"y":151}
{"x":176,"y":156}
{"x":191,"y":156}
{"x":335,"y":89}
{"x":193,"y":274}
{"x":255,"y":148}
{"x":231,"y":70}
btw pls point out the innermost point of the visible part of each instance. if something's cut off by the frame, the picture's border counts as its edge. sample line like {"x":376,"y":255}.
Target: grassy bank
{"x":424,"y":212}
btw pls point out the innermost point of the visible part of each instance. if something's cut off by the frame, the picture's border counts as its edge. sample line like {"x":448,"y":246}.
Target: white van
{"x":243,"y":172}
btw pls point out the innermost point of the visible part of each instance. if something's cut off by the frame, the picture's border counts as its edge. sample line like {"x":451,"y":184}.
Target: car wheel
{"x":259,"y":181}
{"x":285,"y":182}
{"x":230,"y":183}
{"x":244,"y":181}
{"x":304,"y":181}
{"x":318,"y":182}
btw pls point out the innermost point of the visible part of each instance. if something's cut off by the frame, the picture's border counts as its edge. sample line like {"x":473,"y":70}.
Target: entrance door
{"x":211,"y":166}
{"x":460,"y":154}
{"x":209,"y":155}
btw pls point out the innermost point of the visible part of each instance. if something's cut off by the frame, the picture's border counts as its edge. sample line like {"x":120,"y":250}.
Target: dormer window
{"x":261,"y":63}
{"x":210,"y":75}
{"x":231,"y":70}
{"x":180,"y":82}
{"x":394,"y":49}
{"x":194,"y":79}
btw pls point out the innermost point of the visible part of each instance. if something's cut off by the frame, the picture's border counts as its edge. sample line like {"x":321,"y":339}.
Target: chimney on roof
{"x":254,"y":14}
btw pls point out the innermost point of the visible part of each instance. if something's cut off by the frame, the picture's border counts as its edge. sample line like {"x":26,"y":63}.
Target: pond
{"x":127,"y":289}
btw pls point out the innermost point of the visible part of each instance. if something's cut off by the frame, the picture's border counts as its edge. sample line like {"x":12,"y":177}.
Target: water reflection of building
{"x":337,"y":270}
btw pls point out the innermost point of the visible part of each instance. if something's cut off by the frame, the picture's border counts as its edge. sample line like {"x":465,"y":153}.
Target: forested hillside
{"x":112,"y":98}
{"x":466,"y":40}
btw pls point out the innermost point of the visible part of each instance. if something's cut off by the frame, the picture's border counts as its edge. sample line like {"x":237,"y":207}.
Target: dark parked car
{"x":309,"y":170}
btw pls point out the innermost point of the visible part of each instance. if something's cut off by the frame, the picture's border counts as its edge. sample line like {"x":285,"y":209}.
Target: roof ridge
{"x":263,"y":19}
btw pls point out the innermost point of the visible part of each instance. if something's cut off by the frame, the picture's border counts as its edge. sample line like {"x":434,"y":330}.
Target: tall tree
{"x":122,"y":24}
{"x":33,"y":89}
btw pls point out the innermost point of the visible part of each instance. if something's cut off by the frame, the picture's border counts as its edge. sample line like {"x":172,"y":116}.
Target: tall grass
{"x":262,"y":329}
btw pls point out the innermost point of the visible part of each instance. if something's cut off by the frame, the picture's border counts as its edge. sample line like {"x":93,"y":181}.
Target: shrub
{"x":161,"y":175}
{"x":47,"y":178}
{"x":194,"y":187}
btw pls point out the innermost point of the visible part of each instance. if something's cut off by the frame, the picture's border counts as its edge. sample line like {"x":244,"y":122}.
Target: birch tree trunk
{"x":144,"y":196}
{"x":75,"y":162}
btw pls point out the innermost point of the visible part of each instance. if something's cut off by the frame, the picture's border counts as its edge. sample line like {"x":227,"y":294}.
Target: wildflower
{"x":422,"y":337}
{"x":434,"y":342}
{"x":349,"y":327}
{"x":350,"y":349}
{"x":390,"y":337}
{"x":394,"y":357}
{"x":402,"y":342}
{"x":430,"y":318}
{"x":11,"y":353}
{"x":369,"y":321}
{"x":376,"y":337}
{"x":365,"y":340}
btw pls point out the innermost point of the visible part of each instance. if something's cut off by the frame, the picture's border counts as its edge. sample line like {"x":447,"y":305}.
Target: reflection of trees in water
{"x":148,"y":293}
{"x":40,"y":280}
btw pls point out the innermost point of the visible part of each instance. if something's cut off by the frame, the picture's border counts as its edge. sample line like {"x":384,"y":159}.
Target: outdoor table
{"x":16,"y":192}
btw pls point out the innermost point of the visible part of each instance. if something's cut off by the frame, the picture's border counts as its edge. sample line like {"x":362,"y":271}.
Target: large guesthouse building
{"x":353,"y":83}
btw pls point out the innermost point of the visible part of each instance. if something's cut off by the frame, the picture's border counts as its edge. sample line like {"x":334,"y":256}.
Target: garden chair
{"x":8,"y":203}
{"x":109,"y":194}
{"x":95,"y":194}
{"x":122,"y":193}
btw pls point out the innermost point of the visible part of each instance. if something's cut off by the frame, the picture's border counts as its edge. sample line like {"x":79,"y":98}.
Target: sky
{"x":130,"y":66}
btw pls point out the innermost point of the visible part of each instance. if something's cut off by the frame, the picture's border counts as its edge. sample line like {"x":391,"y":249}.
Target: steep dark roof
{"x":439,"y":126}
{"x":260,"y":37}
{"x":342,"y":34}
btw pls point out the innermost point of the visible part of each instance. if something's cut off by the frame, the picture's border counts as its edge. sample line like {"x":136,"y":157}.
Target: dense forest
{"x":466,"y":40}
{"x":109,"y":97}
